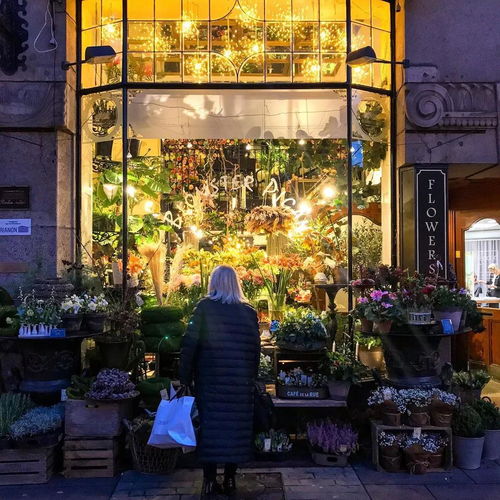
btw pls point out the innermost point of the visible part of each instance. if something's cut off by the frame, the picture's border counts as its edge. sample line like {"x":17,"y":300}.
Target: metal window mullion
{"x":349,"y":156}
{"x":392,"y":138}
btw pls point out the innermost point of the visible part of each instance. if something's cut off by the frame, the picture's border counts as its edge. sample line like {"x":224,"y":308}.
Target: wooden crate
{"x":377,"y":427}
{"x":90,"y":457}
{"x":26,"y":466}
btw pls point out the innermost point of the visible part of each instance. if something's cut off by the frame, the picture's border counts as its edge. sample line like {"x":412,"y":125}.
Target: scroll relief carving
{"x":451,"y":106}
{"x":13,"y":36}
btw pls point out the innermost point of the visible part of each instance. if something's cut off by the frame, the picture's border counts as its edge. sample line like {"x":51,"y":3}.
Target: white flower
{"x":9,"y":321}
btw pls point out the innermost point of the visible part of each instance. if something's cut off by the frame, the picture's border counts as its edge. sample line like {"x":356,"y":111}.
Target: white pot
{"x":491,"y":450}
{"x":467,"y":452}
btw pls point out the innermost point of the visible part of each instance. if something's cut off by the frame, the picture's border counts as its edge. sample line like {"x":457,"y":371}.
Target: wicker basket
{"x":149,"y":459}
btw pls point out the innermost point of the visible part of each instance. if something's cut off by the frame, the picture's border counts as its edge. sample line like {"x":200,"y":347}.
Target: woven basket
{"x":149,"y":459}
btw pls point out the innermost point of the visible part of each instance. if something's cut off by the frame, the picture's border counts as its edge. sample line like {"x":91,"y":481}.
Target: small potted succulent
{"x":12,"y":407}
{"x":370,"y":351}
{"x":416,"y":456}
{"x":467,"y":385}
{"x":342,"y":370}
{"x":302,"y":330}
{"x":272,"y":445}
{"x":490,"y":417}
{"x":39,"y":427}
{"x":331,"y":443}
{"x":72,"y":313}
{"x":468,"y":437}
{"x":417,"y":402}
{"x":446,"y":304}
{"x":389,"y":444}
{"x":96,"y":310}
{"x":389,"y":404}
{"x":443,"y":404}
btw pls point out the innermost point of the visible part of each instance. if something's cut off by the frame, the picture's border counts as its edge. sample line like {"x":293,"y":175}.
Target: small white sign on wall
{"x":15,"y":227}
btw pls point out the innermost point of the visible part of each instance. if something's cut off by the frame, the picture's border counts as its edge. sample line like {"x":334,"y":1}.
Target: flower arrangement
{"x":33,"y":311}
{"x":72,"y":305}
{"x":382,"y":306}
{"x":328,"y":437}
{"x":37,"y":421}
{"x":269,"y":219}
{"x":112,"y":384}
{"x":343,"y":366}
{"x":415,"y":400}
{"x":474,"y":379}
{"x":444,"y":297}
{"x":298,"y":378}
{"x":274,"y":441}
{"x":96,"y":304}
{"x":265,"y":366}
{"x":446,"y":398}
{"x":389,"y":439}
{"x":301,"y":327}
{"x":384,"y":395}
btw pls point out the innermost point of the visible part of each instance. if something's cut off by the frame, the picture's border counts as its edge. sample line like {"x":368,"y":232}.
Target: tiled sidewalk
{"x":301,"y":483}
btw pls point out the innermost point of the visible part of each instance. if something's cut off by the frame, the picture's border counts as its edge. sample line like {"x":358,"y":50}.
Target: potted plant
{"x":370,"y":351}
{"x":467,"y":385}
{"x":383,"y":309}
{"x":296,"y":384}
{"x":416,"y":300}
{"x":443,"y":404}
{"x":389,"y":404}
{"x":331,"y":444}
{"x":265,"y":368}
{"x":435,"y":444}
{"x":416,"y":456}
{"x":389,"y":444}
{"x":468,"y":437}
{"x":446,"y":305}
{"x":38,"y":316}
{"x":417,"y":402}
{"x":39,"y":427}
{"x":342,"y":370}
{"x":96,"y":310}
{"x":272,"y":445}
{"x":12,"y":407}
{"x":490,"y":417}
{"x":150,"y":389}
{"x":300,"y":330}
{"x":72,"y":313}
{"x":360,"y":310}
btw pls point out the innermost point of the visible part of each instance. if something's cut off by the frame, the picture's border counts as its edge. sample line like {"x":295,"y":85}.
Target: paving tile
{"x":369,"y":475}
{"x":323,"y":493}
{"x":397,"y":491}
{"x":465,"y":491}
{"x":489,"y":473}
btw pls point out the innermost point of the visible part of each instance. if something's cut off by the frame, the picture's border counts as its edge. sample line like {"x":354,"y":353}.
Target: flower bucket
{"x":390,"y":464}
{"x":366,"y":325}
{"x":383,"y":327}
{"x":72,"y":322}
{"x":436,"y":459}
{"x":441,"y":414}
{"x":454,"y":315}
{"x":467,"y":452}
{"x":418,"y":419}
{"x":491,"y":449}
{"x":416,"y":459}
{"x":94,"y":322}
{"x":339,"y":389}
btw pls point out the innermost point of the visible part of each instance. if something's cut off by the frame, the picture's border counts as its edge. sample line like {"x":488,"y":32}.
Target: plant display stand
{"x":90,"y":457}
{"x":377,"y":427}
{"x":26,"y":466}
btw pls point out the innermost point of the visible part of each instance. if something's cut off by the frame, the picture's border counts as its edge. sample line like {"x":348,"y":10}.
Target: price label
{"x":64,"y":396}
{"x":387,"y":394}
{"x":267,"y":444}
{"x":417,"y":432}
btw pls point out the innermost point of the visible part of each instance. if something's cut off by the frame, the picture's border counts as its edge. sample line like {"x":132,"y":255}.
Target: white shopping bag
{"x":173,"y":427}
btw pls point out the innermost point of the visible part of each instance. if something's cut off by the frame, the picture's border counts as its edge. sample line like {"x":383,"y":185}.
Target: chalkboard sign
{"x":14,"y":198}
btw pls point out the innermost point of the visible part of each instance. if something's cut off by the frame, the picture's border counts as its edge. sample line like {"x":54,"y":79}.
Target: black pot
{"x":115,"y":353}
{"x":72,"y":322}
{"x":94,"y":322}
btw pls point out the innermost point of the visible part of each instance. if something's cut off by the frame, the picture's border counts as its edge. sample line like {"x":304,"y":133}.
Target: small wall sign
{"x":15,"y":227}
{"x":14,"y":198}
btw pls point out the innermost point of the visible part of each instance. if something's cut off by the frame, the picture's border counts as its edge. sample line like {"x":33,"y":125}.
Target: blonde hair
{"x":224,"y":285}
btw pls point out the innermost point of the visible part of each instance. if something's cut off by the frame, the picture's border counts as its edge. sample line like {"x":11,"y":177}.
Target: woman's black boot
{"x":229,"y":485}
{"x":210,"y":489}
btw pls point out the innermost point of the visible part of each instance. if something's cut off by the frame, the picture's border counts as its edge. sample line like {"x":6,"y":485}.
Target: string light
{"x":328,"y":192}
{"x":302,"y":142}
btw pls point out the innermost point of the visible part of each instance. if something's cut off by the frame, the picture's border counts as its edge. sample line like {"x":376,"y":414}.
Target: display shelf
{"x":308,"y":403}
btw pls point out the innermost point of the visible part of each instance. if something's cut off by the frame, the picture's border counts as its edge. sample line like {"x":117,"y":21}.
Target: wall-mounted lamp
{"x":99,"y":54}
{"x":366,"y":55}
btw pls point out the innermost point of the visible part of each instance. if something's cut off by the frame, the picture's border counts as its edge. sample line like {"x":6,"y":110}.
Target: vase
{"x":72,"y":322}
{"x":383,"y":327}
{"x":94,"y":322}
{"x":366,"y":325}
{"x":467,"y":452}
{"x":491,"y":449}
{"x":455,"y":315}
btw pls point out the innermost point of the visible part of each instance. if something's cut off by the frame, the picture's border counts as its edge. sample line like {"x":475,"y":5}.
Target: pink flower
{"x":362,"y":300}
{"x":386,"y":305}
{"x":377,"y":295}
{"x":393,"y":296}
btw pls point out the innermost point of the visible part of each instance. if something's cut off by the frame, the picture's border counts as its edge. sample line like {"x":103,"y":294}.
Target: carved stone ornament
{"x":13,"y":36}
{"x":451,"y":106}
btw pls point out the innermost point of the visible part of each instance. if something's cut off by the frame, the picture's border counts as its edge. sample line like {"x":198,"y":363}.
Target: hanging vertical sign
{"x":431,"y":195}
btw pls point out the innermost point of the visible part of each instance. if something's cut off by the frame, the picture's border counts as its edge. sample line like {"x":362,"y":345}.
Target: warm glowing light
{"x":148,"y":206}
{"x":131,"y":190}
{"x":302,"y":142}
{"x":248,"y":147}
{"x":187,"y":26}
{"x":189,"y":145}
{"x":255,"y":48}
{"x":129,"y":155}
{"x":110,"y":189}
{"x":328,"y":192}
{"x":227,"y":53}
{"x":305,"y":207}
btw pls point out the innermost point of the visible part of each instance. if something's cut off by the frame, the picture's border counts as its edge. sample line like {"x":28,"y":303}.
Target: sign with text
{"x":15,"y":227}
{"x":431,"y":196}
{"x":14,"y":197}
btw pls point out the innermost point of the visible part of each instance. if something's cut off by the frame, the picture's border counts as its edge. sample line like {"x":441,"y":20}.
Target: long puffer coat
{"x":221,"y":351}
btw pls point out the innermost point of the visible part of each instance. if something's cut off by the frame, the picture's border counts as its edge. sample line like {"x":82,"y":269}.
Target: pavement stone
{"x":465,"y":491}
{"x":325,"y":492}
{"x":489,"y":473}
{"x":398,"y":491}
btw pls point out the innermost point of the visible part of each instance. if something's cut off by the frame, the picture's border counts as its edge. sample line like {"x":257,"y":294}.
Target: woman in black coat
{"x":220,"y":352}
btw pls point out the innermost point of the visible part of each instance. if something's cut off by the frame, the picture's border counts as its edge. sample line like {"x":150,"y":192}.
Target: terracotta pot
{"x":390,"y":464}
{"x":418,"y":419}
{"x":366,"y":325}
{"x":383,"y":327}
{"x":436,"y":460}
{"x":391,"y":418}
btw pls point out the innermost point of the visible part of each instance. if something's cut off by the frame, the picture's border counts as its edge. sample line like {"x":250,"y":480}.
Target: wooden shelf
{"x":308,"y":403}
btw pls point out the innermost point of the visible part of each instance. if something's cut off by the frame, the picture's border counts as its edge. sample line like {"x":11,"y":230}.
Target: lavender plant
{"x":111,"y":384}
{"x":329,"y":437}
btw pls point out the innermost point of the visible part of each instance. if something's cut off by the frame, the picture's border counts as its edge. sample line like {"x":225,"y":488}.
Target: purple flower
{"x":377,"y":295}
{"x":362,"y":300}
{"x":462,"y":291}
{"x":386,"y":305}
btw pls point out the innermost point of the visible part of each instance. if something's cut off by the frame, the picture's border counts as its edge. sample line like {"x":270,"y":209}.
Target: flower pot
{"x":417,"y":460}
{"x":115,"y":353}
{"x":383,"y":327}
{"x":366,"y":325}
{"x":390,"y":451}
{"x":339,"y":389}
{"x":390,"y":464}
{"x":491,"y":449}
{"x":441,"y":414}
{"x":372,"y":358}
{"x":466,"y":395}
{"x":391,"y":418}
{"x":436,"y":460}
{"x":418,"y":419}
{"x":94,"y":322}
{"x":454,"y":315}
{"x":467,"y":452}
{"x":72,"y":322}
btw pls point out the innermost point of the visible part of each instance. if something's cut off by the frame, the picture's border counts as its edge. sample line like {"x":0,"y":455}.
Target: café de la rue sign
{"x":431,"y":194}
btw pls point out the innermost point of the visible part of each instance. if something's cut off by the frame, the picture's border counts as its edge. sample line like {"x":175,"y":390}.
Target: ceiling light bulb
{"x":129,"y":155}
{"x":148,"y":206}
{"x":305,"y":207}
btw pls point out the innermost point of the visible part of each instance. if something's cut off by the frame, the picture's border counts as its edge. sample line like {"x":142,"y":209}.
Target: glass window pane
{"x":141,"y":36}
{"x":278,"y":68}
{"x":90,"y":38}
{"x":306,"y":68}
{"x":140,"y":9}
{"x":197,"y":10}
{"x":360,"y":11}
{"x":381,"y":15}
{"x":332,"y":37}
{"x":168,"y":9}
{"x":278,"y":10}
{"x":140,"y":67}
{"x":221,"y":8}
{"x":333,"y":68}
{"x":222,"y":69}
{"x":111,"y":34}
{"x":252,"y":69}
{"x":111,"y":10}
{"x":194,"y":35}
{"x":254,"y":9}
{"x":333,"y":10}
{"x":278,"y":37}
{"x":305,"y":37}
{"x":382,"y":45}
{"x":168,"y":67}
{"x":91,"y":13}
{"x":195,"y":68}
{"x":305,"y":10}
{"x":168,"y":36}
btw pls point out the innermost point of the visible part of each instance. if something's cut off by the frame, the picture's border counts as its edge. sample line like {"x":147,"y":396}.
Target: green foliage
{"x":5,"y":298}
{"x":343,"y":366}
{"x":488,"y":412}
{"x":12,"y":407}
{"x":474,"y":379}
{"x":161,"y":314}
{"x":79,"y":387}
{"x":366,"y":245}
{"x":301,"y":326}
{"x":444,"y":297}
{"x":367,"y":341}
{"x":467,"y":422}
{"x":39,"y":420}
